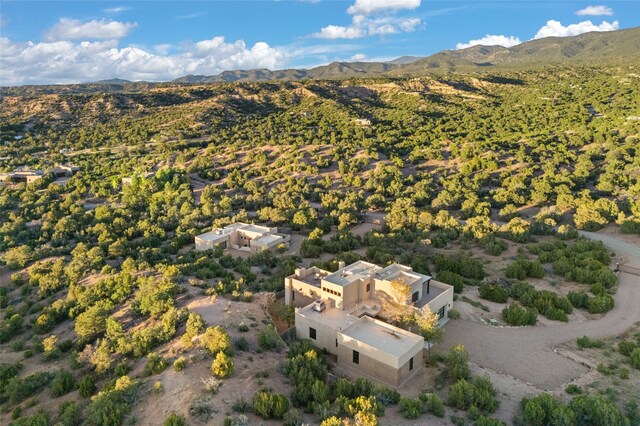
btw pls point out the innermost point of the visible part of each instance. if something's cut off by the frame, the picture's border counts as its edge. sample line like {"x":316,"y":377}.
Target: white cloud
{"x":556,"y":29}
{"x":73,"y":29}
{"x":338,"y":31}
{"x":366,"y":7}
{"x":362,"y":26}
{"x":116,"y":9}
{"x":71,"y":62}
{"x":358,"y":57}
{"x":595,"y":11}
{"x":491,"y":40}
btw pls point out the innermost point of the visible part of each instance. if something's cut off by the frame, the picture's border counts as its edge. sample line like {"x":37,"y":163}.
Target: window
{"x":411,"y":364}
{"x":293,"y":295}
{"x":368,"y":287}
{"x":356,"y":357}
{"x":414,"y":296}
{"x":312,"y":333}
{"x":336,"y":343}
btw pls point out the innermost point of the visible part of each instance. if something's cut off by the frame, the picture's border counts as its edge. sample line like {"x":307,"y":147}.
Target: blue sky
{"x":79,"y":41}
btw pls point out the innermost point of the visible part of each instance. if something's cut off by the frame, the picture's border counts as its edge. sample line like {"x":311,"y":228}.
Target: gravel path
{"x":527,"y":353}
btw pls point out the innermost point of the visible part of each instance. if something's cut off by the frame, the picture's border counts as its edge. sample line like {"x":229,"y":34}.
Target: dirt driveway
{"x":527,"y":353}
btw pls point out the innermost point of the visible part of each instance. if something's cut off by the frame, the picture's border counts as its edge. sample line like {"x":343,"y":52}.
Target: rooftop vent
{"x":319,"y":306}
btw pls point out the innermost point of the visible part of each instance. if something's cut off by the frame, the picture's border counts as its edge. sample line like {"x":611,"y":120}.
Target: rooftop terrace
{"x":356,"y":271}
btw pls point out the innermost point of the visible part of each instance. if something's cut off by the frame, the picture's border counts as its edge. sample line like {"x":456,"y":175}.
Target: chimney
{"x":341,"y":264}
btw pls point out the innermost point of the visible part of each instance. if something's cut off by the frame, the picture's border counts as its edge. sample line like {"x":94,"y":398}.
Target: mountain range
{"x":588,"y":48}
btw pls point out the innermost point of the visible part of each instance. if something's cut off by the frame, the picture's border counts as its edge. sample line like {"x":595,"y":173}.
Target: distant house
{"x":127,"y":180}
{"x":363,"y":121}
{"x":338,"y":312}
{"x":27,"y":176}
{"x":241,"y":236}
{"x":63,"y":170}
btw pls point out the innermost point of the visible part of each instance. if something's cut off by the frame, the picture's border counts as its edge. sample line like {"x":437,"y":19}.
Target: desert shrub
{"x":387,"y":396}
{"x":410,"y":408}
{"x":579,"y":299}
{"x":573,"y":389}
{"x":222,"y":366}
{"x":626,"y":347}
{"x":174,"y":419}
{"x":634,"y":358}
{"x":493,"y":293}
{"x":7,"y":371}
{"x":268,"y":338}
{"x":585,"y":342}
{"x":488,"y":421}
{"x":17,"y":390}
{"x":38,"y":419}
{"x":113,"y":403}
{"x":479,"y":393}
{"x":270,"y":406}
{"x":155,"y":364}
{"x":69,"y":414}
{"x":216,"y":339}
{"x":63,"y":382}
{"x":291,"y":418}
{"x":452,"y":278}
{"x":596,"y":410}
{"x":599,"y":304}
{"x":240,"y":405}
{"x":433,"y":404}
{"x":458,"y":363}
{"x":87,"y":386}
{"x":461,"y":264}
{"x":523,"y":268}
{"x":241,"y":344}
{"x":518,"y":316}
{"x":179,"y":364}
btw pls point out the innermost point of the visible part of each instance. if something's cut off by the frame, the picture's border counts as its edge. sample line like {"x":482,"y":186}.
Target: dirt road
{"x":527,"y":353}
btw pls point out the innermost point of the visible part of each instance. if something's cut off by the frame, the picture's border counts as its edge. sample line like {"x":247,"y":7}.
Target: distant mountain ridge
{"x":551,"y":50}
{"x":588,"y":48}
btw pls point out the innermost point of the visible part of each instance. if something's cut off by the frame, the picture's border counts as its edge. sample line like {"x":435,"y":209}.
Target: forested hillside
{"x":463,"y":165}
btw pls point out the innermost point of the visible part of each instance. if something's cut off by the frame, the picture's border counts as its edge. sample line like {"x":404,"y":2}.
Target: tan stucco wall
{"x":303,"y":292}
{"x":377,"y":369}
{"x":325,"y":335}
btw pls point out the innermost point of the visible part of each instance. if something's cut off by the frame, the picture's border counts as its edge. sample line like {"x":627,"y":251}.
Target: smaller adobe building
{"x":27,"y":176}
{"x":339,"y":312}
{"x":241,"y":236}
{"x":64,"y":170}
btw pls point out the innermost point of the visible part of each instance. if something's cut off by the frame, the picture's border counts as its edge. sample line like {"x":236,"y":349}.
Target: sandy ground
{"x":528,"y":353}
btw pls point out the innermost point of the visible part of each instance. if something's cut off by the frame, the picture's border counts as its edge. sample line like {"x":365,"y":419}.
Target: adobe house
{"x":241,"y":236}
{"x":339,"y":311}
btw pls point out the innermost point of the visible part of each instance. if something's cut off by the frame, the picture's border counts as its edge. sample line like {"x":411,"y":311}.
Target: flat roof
{"x":353,"y":272}
{"x":268,"y":239}
{"x":241,"y":226}
{"x":336,"y":318}
{"x":212,"y":235}
{"x":400,"y":272}
{"x":382,"y":336}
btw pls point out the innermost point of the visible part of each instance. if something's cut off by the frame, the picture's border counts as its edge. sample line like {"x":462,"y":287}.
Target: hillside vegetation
{"x":101,"y":281}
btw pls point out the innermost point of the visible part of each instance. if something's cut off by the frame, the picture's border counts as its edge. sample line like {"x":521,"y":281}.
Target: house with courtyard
{"x":242,"y":236}
{"x":343,"y":312}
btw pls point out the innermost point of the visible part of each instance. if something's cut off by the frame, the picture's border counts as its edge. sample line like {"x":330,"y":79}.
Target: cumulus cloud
{"x":362,"y":26}
{"x":595,"y":11}
{"x":358,"y":57}
{"x":65,"y":61}
{"x":556,"y":29}
{"x":491,"y":40}
{"x":367,"y":7}
{"x":103,"y":29}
